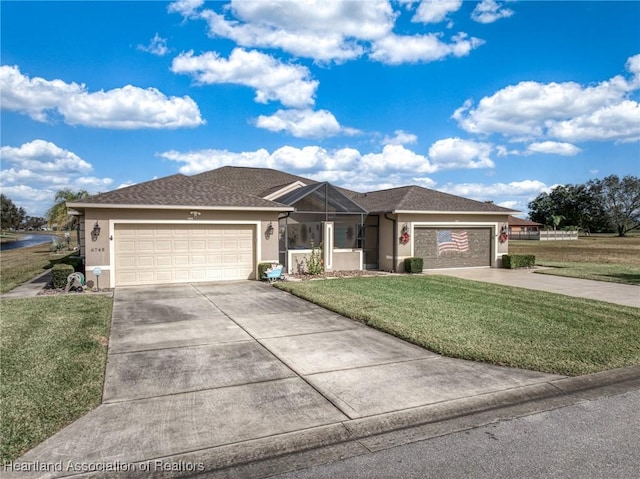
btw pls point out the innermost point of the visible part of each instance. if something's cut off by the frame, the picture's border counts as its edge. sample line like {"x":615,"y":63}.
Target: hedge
{"x":514,"y":261}
{"x":413,"y":265}
{"x":59,"y":275}
{"x":262,"y":267}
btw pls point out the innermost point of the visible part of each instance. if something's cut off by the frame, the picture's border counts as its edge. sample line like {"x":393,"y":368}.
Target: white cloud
{"x":489,"y":11}
{"x":397,"y":49}
{"x":93,"y":183}
{"x":157,"y":46}
{"x":273,"y":80}
{"x":324,"y":31}
{"x":434,"y":11}
{"x":482,"y":192}
{"x":129,"y":107}
{"x":36,"y":170}
{"x":401,"y":138}
{"x":459,"y":153}
{"x":393,"y":166}
{"x":304,"y":123}
{"x":203,"y":160}
{"x":424,"y":182}
{"x":633,"y":66}
{"x":396,"y":158}
{"x":42,"y":157}
{"x":186,"y":8}
{"x":619,"y":122}
{"x":554,"y":148}
{"x":334,"y":31}
{"x":565,"y":111}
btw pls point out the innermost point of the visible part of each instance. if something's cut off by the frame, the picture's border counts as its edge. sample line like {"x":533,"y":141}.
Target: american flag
{"x":450,"y":241}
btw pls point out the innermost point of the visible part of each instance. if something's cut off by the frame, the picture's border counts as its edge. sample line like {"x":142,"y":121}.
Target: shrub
{"x":315,"y":263}
{"x":59,"y":275}
{"x":513,"y":261}
{"x":262,"y":267}
{"x":413,"y":265}
{"x":57,"y":246}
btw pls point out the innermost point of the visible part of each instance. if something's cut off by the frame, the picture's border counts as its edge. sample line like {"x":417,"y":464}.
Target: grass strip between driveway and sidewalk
{"x":53,"y":353}
{"x":501,"y":325}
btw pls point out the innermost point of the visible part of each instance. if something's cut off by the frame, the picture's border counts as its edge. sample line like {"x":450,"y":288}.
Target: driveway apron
{"x":196,"y":367}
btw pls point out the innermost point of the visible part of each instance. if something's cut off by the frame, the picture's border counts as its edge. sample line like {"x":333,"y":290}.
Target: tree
{"x":58,"y":214}
{"x":620,"y":201}
{"x":11,"y":216}
{"x":33,"y":223}
{"x":569,"y":205}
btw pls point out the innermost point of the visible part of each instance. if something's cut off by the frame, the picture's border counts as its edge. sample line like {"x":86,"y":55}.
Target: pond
{"x":26,"y":241}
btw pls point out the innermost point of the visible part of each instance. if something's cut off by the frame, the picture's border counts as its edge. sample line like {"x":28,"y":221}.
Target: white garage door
{"x":153,"y":254}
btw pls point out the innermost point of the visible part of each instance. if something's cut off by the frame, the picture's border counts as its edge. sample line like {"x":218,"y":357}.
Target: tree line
{"x":611,"y":204}
{"x":13,"y":217}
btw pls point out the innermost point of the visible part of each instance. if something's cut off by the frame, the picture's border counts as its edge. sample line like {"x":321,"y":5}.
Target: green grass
{"x":17,"y":266}
{"x":613,"y":273}
{"x":600,"y":258}
{"x":485,"y":322}
{"x":52,"y":359}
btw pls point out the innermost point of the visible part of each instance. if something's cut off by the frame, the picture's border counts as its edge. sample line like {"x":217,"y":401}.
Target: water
{"x":28,"y":240}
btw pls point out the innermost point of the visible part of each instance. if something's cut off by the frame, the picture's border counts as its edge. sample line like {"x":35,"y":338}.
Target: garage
{"x":175,"y":253}
{"x":445,"y":247}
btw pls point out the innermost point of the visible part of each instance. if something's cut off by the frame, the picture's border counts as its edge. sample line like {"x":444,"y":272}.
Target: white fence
{"x":558,"y":235}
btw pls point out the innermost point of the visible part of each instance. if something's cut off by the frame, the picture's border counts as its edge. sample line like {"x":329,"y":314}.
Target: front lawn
{"x":598,"y":257}
{"x":52,"y":359}
{"x":23,"y":264}
{"x":485,"y":322}
{"x":612,"y":273}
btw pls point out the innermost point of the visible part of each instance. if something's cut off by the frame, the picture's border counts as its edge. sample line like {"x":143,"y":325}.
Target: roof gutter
{"x":394,"y":254}
{"x":181,"y":207}
{"x":426,"y":212}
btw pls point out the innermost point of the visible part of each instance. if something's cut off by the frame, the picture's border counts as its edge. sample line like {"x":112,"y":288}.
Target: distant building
{"x":523,"y":229}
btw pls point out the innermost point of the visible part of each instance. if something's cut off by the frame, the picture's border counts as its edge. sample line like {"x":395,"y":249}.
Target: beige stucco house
{"x":219,"y":225}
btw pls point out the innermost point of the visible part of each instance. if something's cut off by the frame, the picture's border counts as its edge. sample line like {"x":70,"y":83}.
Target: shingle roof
{"x":179,"y":190}
{"x":514,"y":221}
{"x":417,"y":198}
{"x":244,"y":187}
{"x":257,"y":181}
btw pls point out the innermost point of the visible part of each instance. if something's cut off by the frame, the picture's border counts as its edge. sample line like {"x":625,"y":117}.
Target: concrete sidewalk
{"x":31,"y":288}
{"x":244,"y":380}
{"x":624,"y":294}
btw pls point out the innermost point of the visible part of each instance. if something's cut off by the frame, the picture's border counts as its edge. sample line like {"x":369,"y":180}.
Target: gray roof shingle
{"x":180,"y":190}
{"x":417,"y":198}
{"x":245,"y":187}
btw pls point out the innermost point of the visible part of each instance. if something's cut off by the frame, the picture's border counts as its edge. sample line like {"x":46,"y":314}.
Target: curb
{"x":301,"y":449}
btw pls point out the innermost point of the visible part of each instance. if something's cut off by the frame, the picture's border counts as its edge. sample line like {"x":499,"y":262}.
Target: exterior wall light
{"x":95,"y":232}
{"x":269,"y":231}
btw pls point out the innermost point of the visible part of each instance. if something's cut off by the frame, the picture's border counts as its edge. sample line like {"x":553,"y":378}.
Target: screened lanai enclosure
{"x":324,"y":218}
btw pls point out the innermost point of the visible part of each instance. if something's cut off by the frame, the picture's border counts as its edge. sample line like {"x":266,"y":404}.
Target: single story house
{"x":523,"y":229}
{"x":220,"y":224}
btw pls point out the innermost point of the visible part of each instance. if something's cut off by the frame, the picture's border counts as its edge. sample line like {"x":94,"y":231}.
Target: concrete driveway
{"x":207,"y":375}
{"x":624,"y":294}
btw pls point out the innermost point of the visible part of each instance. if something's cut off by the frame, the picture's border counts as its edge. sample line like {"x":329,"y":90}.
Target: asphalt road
{"x":591,"y":439}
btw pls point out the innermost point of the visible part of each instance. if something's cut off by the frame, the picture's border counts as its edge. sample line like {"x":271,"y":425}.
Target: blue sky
{"x":492,"y":100}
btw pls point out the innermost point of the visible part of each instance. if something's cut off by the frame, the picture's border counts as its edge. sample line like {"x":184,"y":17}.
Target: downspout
{"x":286,"y":238}
{"x":394,"y":254}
